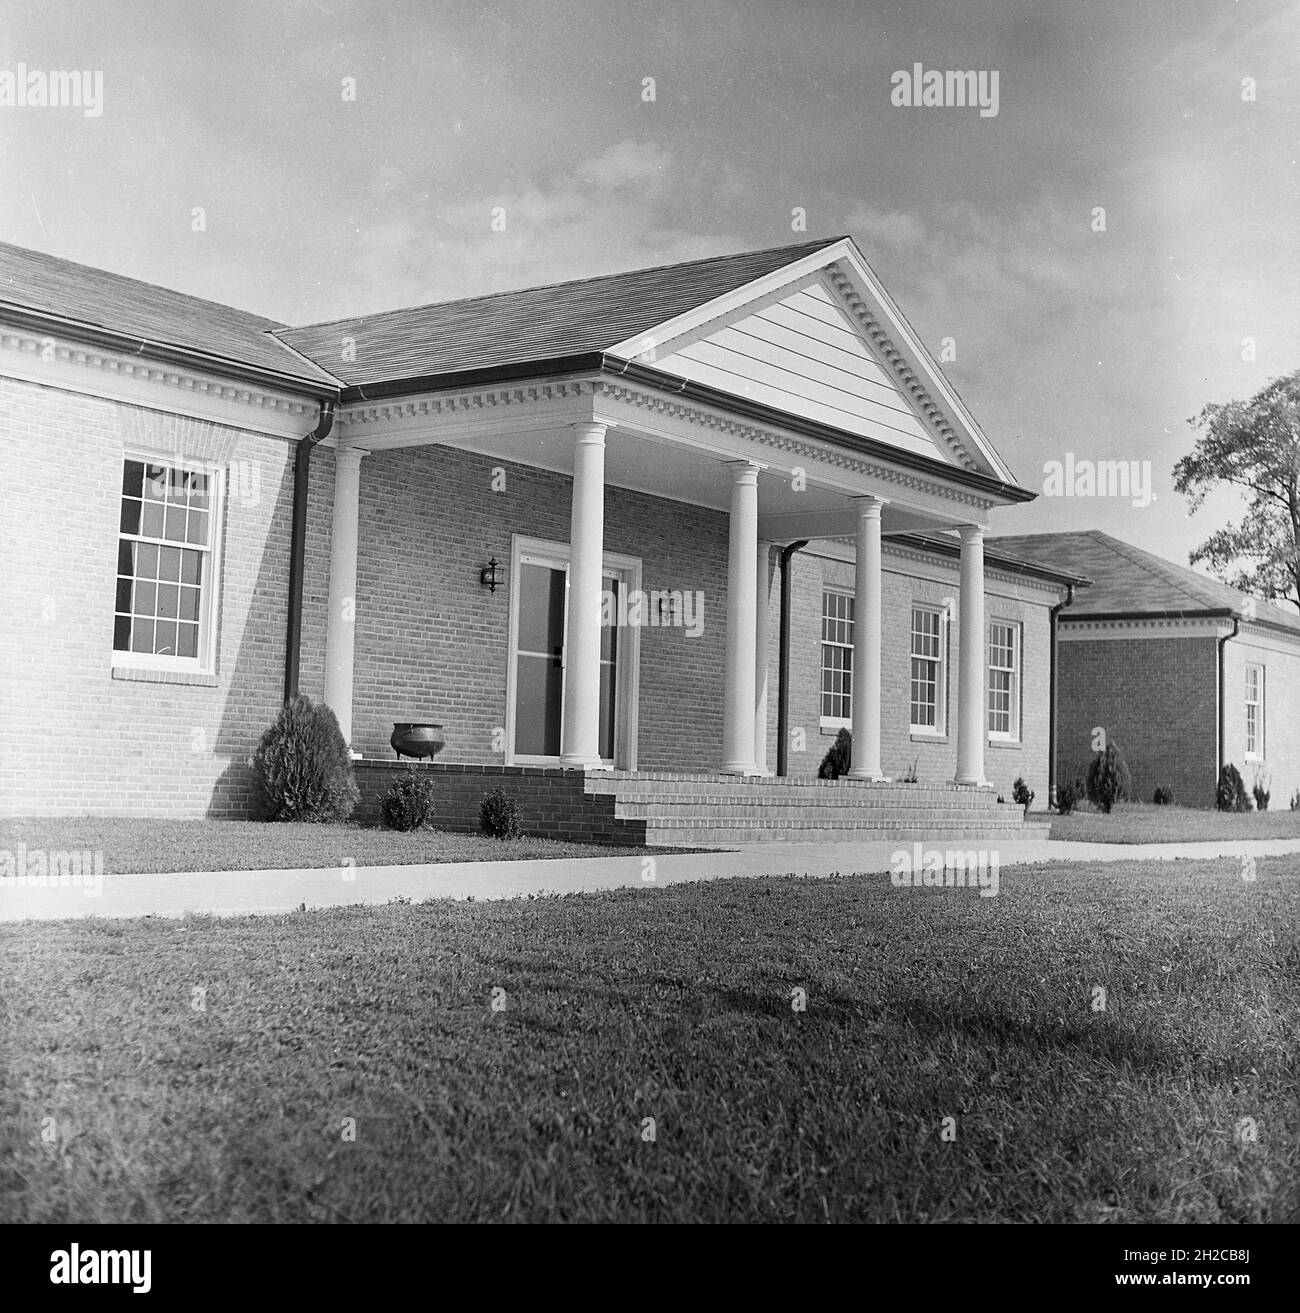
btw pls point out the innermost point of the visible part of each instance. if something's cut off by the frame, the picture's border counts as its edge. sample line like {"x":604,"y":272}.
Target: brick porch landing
{"x":666,"y":809}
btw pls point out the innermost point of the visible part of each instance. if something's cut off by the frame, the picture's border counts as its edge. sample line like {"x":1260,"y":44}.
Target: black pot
{"x":412,"y":738}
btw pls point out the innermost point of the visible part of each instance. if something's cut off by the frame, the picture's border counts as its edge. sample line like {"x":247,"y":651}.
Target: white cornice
{"x":826,"y":453}
{"x":135,"y":380}
{"x":438,"y":417}
{"x":1080,"y":629}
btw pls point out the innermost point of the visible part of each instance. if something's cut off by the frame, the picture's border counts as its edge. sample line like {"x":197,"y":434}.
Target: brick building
{"x":1184,"y":673}
{"x":552,"y":521}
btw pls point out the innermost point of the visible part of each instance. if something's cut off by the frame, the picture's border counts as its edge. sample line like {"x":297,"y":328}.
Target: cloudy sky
{"x":1068,"y":339}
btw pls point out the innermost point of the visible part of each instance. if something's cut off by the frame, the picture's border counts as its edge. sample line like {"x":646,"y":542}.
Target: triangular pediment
{"x":826,"y":344}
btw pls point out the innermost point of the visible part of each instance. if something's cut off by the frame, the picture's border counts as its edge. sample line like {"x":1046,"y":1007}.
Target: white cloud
{"x":608,"y":213}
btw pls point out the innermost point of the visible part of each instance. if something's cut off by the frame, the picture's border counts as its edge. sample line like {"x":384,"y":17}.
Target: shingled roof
{"x":1129,"y":581}
{"x":96,"y":301}
{"x":537,"y":324}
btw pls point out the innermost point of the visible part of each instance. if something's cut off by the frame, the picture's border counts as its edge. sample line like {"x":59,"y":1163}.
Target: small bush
{"x":1069,"y":793}
{"x":408,"y":804}
{"x":1021,"y":792}
{"x":302,"y":766}
{"x":1108,"y":781}
{"x":1230,"y":793}
{"x":838,"y":759}
{"x":1260,"y":791}
{"x":499,"y":815}
{"x":1164,"y":797}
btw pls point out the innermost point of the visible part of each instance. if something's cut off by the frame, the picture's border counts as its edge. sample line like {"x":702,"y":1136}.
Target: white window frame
{"x":205,"y":661}
{"x":939,"y":729}
{"x":1257,"y":753}
{"x":835,"y":722}
{"x":1011,"y":735}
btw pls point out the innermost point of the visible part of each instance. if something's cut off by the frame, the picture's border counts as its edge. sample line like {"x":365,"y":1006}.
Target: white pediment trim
{"x":841,"y":269}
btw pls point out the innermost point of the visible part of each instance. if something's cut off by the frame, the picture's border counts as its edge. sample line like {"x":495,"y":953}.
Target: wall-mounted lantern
{"x":489,"y":577}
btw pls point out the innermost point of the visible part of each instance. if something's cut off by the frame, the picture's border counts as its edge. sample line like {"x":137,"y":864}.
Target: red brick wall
{"x":934,"y":760}
{"x":74,"y":739}
{"x":432,"y":641}
{"x":1155,"y":698}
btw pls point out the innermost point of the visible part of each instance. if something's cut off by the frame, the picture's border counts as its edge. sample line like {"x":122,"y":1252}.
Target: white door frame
{"x":628,"y":649}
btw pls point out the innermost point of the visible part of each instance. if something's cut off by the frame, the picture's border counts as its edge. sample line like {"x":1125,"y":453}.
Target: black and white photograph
{"x":674,"y":614}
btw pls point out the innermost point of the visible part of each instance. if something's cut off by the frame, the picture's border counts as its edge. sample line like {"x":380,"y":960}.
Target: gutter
{"x":783,"y":663}
{"x":1221,"y":732}
{"x":298,"y":545}
{"x":1052,"y":680}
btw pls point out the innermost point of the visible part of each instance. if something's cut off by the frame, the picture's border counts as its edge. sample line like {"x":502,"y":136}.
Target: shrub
{"x":838,"y":760}
{"x":499,"y":815}
{"x":302,"y":766}
{"x":1069,"y":793}
{"x":1260,"y":791}
{"x":1164,"y":796}
{"x":1295,"y":801}
{"x":1230,"y":793}
{"x":408,"y":804}
{"x":1108,"y":781}
{"x":1021,"y":792}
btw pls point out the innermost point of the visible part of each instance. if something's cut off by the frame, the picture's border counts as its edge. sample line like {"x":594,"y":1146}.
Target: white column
{"x":340,"y":625}
{"x":580,"y":731}
{"x":866,"y":642}
{"x":761,"y":637}
{"x":742,"y":580}
{"x":971,"y":691}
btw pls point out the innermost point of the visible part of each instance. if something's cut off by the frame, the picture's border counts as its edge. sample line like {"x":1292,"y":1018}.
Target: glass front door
{"x":542,"y":586}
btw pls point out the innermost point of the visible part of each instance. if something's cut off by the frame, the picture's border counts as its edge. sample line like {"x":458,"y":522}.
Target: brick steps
{"x":721,"y":836}
{"x":722,"y":809}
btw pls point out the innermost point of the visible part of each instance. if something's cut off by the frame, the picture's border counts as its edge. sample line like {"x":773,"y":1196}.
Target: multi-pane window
{"x":1004,"y":680}
{"x":164,"y":564}
{"x":837,"y":656}
{"x":927,"y":683}
{"x":1254,"y":711}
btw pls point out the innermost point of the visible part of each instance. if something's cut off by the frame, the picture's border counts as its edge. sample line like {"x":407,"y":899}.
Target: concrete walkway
{"x":238,"y":893}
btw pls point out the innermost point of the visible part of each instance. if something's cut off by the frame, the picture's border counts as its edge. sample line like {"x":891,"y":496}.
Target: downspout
{"x":1221,"y":745}
{"x":1052,"y":677}
{"x":783,"y":670}
{"x":298,"y":545}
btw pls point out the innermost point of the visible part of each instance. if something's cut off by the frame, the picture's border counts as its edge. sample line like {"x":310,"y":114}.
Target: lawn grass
{"x":677,"y":1005}
{"x":1144,"y":822}
{"x":197,"y":845}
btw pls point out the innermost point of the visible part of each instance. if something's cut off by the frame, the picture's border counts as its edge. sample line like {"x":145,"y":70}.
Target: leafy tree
{"x":1253,"y":446}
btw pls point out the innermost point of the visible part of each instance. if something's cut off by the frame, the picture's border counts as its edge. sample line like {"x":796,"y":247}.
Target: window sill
{"x":1005,"y":743}
{"x":141,"y":675}
{"x":928,"y":738}
{"x":829,"y":728}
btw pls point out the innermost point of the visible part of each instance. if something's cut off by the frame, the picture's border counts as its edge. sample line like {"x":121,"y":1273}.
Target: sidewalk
{"x":238,"y":893}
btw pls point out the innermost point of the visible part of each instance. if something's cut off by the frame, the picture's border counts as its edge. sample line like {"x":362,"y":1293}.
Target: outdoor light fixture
{"x":488,"y":576}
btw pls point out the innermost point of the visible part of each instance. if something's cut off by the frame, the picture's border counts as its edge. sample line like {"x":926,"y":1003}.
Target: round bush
{"x":498,"y":814}
{"x":1230,"y":793}
{"x":408,"y":804}
{"x":302,"y":766}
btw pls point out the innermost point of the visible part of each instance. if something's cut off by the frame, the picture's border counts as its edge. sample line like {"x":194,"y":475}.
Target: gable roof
{"x":1130,"y":582}
{"x":95,"y":303}
{"x":553,"y":322}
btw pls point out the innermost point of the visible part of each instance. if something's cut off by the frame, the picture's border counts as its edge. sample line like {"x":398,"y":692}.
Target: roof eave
{"x":170,"y":352}
{"x":703,"y":393}
{"x":1011,"y":564}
